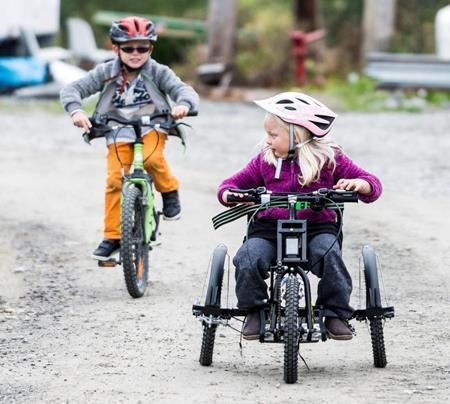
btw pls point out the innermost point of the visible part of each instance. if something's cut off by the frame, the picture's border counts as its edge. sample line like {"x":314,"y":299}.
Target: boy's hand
{"x":81,"y":120}
{"x":179,"y":111}
{"x":356,"y":184}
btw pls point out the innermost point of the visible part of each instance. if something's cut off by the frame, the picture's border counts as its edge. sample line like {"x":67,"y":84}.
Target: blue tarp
{"x":21,"y":71}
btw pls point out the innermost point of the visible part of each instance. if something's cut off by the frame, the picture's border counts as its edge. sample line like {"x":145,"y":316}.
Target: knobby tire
{"x":134,"y":251}
{"x":213,"y":298}
{"x":377,"y":337}
{"x":291,"y":331}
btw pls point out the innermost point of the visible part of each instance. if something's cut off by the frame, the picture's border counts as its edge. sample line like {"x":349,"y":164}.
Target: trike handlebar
{"x":254,"y":200}
{"x":260,"y":195}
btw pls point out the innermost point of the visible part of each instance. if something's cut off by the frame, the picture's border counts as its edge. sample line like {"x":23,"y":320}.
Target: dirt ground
{"x":69,"y":332}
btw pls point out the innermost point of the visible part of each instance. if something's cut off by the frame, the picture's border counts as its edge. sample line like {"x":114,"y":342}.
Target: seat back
{"x":81,"y":38}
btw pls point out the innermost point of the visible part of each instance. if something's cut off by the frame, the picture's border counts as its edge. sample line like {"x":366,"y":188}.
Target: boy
{"x":132,"y":84}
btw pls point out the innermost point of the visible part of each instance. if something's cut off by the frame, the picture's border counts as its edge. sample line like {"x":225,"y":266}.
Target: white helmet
{"x":300,"y":109}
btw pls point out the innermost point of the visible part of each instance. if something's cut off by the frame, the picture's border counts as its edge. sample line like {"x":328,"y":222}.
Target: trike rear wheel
{"x":206,"y":352}
{"x":373,"y":300}
{"x":291,"y":330}
{"x":377,"y":337}
{"x":134,"y":250}
{"x":213,"y":297}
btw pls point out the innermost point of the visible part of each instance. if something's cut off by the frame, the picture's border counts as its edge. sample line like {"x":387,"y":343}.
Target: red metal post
{"x":300,"y":40}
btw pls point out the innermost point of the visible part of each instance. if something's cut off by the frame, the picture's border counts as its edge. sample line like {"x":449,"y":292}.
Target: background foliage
{"x":263,"y":54}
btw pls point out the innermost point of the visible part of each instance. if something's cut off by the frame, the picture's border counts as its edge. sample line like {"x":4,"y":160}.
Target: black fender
{"x":214,"y":291}
{"x":373,"y":296}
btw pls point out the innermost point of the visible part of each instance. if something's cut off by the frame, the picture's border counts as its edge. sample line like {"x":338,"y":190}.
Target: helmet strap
{"x":292,"y":147}
{"x":278,"y":169}
{"x":300,"y":145}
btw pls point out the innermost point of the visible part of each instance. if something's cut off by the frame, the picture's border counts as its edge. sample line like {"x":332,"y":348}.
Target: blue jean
{"x":256,"y":255}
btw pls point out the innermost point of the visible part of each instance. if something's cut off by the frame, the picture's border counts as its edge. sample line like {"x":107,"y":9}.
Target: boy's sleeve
{"x":71,"y":95}
{"x":249,"y":177}
{"x":170,"y":84}
{"x":346,"y":168}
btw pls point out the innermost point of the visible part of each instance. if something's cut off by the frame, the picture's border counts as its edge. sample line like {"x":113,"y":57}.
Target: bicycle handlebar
{"x":143,"y":120}
{"x":100,"y":121}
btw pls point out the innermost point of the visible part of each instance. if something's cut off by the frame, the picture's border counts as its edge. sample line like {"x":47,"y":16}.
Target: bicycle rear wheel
{"x":291,"y":330}
{"x":134,"y":250}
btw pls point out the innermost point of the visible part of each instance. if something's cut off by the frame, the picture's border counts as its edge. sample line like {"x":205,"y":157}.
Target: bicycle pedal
{"x":111,"y":263}
{"x":155,"y":243}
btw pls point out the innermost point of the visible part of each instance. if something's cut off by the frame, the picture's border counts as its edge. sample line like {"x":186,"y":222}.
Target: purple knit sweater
{"x":259,"y":173}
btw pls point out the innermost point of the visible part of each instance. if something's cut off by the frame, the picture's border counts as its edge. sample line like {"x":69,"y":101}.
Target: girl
{"x":297,"y":158}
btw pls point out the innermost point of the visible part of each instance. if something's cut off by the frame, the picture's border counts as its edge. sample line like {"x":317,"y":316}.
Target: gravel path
{"x":69,"y":332}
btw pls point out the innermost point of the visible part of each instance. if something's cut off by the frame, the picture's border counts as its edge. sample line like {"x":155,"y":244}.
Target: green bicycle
{"x":139,"y":220}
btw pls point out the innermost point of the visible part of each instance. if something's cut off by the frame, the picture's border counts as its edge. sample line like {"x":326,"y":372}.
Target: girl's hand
{"x":179,"y":111}
{"x":238,"y":195}
{"x":356,"y":184}
{"x":81,"y":120}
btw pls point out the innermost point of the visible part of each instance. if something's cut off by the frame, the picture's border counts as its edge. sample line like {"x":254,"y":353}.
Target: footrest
{"x":110,"y":263}
{"x":381,"y":312}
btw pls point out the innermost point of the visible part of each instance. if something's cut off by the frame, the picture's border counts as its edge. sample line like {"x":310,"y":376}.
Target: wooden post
{"x":307,"y":15}
{"x":378,"y":25}
{"x":221,"y":30}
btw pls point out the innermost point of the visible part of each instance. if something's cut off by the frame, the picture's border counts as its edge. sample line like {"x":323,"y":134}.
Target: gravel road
{"x":69,"y":332}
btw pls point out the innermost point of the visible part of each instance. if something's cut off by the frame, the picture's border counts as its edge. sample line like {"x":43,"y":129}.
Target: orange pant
{"x":155,"y":164}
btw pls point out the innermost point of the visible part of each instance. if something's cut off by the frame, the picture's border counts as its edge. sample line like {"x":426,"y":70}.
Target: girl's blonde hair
{"x":311,"y":157}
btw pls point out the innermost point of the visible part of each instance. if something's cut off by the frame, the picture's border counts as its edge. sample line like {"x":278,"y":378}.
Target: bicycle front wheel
{"x":134,"y":250}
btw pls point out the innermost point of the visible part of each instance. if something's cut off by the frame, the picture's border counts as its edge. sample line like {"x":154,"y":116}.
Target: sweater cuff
{"x":75,"y":111}
{"x":73,"y":107}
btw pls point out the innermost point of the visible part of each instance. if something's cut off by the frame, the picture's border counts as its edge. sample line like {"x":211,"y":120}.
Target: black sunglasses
{"x":131,"y":49}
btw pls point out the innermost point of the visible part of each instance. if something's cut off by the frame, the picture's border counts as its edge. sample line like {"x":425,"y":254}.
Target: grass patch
{"x":360,"y":93}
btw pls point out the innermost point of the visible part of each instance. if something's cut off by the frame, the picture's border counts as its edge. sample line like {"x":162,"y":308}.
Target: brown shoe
{"x":252,"y":326}
{"x":337,"y":329}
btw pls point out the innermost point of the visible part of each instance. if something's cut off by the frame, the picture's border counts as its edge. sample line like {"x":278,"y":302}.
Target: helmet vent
{"x":304,"y":102}
{"x":324,"y":126}
{"x":291,"y":108}
{"x":285,"y":102}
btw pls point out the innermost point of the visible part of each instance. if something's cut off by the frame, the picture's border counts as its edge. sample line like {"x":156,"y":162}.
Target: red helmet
{"x":132,"y":29}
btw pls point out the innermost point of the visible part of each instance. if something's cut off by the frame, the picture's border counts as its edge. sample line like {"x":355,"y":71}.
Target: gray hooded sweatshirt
{"x":159,"y":80}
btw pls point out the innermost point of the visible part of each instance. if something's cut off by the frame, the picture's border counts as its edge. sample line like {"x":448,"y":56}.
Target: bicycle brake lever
{"x":86,"y":138}
{"x":182,"y":123}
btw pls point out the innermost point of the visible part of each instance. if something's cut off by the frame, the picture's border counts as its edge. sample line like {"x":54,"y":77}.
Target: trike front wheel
{"x":291,"y":330}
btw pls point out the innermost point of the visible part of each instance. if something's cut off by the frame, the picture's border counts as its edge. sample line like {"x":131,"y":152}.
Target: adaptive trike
{"x":289,"y":317}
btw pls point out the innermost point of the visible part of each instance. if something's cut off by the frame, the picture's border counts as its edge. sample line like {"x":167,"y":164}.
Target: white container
{"x":39,"y":16}
{"x":442,"y":32}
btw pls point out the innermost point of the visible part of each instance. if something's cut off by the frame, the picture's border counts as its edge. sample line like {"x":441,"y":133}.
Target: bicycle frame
{"x":142,"y":180}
